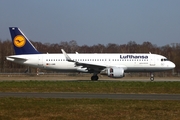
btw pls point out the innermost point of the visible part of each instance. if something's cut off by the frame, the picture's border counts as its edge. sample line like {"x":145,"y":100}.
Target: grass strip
{"x":87,"y":109}
{"x":91,"y":87}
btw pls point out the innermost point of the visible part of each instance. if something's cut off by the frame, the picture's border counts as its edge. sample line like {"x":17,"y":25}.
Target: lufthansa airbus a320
{"x":115,"y":65}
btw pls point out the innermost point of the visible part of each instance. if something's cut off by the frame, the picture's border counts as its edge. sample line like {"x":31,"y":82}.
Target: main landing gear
{"x":94,"y":78}
{"x":151,"y":76}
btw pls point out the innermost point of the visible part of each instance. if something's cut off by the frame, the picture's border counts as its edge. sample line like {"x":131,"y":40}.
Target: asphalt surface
{"x":92,"y":96}
{"x":61,"y":78}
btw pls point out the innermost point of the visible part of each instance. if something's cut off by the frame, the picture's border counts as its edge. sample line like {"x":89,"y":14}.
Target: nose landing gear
{"x":151,"y":76}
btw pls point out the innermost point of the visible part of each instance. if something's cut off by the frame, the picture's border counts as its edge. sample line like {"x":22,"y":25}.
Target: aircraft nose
{"x":172,"y":65}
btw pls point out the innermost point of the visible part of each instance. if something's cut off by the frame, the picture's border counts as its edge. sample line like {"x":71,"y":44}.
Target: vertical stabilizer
{"x":21,"y":43}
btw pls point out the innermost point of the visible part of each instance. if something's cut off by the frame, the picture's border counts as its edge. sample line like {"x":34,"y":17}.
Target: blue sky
{"x":93,"y":22}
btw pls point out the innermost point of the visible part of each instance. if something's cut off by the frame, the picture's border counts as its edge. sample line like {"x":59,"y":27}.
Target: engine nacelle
{"x":115,"y":72}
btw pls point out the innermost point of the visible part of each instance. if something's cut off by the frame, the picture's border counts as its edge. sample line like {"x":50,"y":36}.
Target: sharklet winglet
{"x":67,"y":56}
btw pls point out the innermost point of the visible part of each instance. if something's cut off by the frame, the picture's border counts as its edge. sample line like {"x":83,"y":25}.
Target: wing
{"x":91,"y":67}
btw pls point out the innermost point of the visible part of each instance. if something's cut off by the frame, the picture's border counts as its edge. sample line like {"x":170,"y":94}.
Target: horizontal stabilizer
{"x":13,"y":58}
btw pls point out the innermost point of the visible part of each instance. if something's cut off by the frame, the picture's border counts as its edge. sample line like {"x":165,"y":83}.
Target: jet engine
{"x":115,"y":72}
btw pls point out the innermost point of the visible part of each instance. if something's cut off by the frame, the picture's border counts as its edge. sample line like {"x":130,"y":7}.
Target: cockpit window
{"x":164,"y":59}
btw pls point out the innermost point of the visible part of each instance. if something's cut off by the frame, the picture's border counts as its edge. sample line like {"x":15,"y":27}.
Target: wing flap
{"x":96,"y":67}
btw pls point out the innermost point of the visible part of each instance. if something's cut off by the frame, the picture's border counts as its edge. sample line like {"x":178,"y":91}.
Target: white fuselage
{"x":129,"y":62}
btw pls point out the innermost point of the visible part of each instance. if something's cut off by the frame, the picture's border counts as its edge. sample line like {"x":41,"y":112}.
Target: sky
{"x":92,"y":22}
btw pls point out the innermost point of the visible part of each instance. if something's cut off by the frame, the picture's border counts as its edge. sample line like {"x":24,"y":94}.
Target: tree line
{"x":171,"y":51}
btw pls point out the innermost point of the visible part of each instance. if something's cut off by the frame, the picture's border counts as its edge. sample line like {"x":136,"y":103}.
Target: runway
{"x":92,"y":96}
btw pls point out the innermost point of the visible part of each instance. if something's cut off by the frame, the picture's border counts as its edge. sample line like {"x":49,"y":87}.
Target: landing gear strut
{"x":94,"y":78}
{"x":151,"y":76}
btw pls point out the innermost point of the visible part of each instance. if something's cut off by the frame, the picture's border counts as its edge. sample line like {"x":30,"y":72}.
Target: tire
{"x":152,"y":78}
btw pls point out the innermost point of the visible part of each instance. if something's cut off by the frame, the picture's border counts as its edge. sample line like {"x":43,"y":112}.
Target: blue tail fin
{"x":21,"y":43}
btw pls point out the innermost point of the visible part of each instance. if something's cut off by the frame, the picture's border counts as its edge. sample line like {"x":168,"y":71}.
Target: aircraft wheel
{"x":152,"y":78}
{"x":94,"y":78}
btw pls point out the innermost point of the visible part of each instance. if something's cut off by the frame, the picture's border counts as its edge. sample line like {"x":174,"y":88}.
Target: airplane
{"x":115,"y":65}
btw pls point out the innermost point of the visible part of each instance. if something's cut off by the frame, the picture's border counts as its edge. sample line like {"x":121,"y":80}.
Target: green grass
{"x":87,"y":109}
{"x":91,"y":87}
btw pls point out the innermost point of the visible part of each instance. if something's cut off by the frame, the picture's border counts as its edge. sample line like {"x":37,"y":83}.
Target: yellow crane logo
{"x":19,"y":41}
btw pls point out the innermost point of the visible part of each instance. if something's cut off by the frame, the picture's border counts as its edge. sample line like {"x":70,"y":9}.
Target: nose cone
{"x":172,"y":65}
